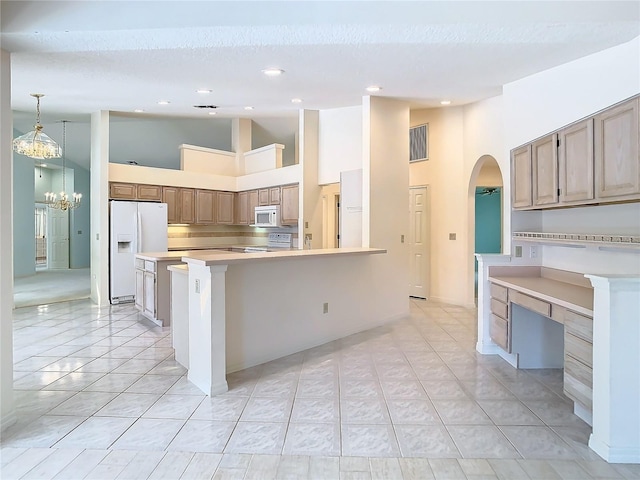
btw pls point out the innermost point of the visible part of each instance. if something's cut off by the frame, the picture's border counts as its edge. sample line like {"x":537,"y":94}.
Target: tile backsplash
{"x":184,"y":237}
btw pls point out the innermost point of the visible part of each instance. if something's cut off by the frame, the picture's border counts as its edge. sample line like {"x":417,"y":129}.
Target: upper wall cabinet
{"x":617,"y":156}
{"x":575,"y":159}
{"x":593,"y":161}
{"x":521,"y":177}
{"x":134,"y":191}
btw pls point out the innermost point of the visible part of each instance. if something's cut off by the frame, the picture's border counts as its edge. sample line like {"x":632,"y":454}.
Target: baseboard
{"x":615,"y":454}
{"x":452,"y":301}
{"x":488,"y":348}
{"x":252,"y":362}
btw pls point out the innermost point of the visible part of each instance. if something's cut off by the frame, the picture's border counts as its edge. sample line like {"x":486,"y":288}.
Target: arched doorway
{"x":486,"y":223}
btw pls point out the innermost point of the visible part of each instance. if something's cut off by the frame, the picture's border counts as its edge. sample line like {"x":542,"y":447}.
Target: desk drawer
{"x":578,"y":348}
{"x":498,"y":292}
{"x":500,"y":309}
{"x":534,"y":304}
{"x":579,"y":325}
{"x":499,"y":331}
{"x":578,"y":381}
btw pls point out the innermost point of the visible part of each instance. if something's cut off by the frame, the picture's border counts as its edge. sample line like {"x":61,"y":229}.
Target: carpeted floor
{"x":51,"y":286}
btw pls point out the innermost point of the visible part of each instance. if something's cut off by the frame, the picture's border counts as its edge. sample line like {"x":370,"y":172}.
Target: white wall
{"x":544,"y":102}
{"x":339,"y":142}
{"x":310,"y":191}
{"x":7,"y":413}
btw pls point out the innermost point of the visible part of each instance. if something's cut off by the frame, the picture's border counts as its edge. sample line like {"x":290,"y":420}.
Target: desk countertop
{"x":574,"y":297}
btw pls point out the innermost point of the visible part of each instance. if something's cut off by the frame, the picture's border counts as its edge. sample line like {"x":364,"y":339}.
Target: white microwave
{"x":267,"y":216}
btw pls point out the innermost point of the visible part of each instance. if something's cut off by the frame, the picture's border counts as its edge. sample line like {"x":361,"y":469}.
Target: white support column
{"x":7,"y":411}
{"x":207,"y":317}
{"x":485,"y":260}
{"x":616,"y":368}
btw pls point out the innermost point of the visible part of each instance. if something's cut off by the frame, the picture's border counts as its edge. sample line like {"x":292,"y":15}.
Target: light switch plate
{"x":452,"y":236}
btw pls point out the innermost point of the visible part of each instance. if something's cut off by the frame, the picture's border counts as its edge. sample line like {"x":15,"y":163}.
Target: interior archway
{"x":486,"y":174}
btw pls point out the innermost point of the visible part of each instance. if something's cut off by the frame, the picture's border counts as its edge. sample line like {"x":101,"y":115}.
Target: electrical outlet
{"x":197,"y":286}
{"x":518,"y":251}
{"x":306,"y":224}
{"x":401,"y":238}
{"x":325,"y":307}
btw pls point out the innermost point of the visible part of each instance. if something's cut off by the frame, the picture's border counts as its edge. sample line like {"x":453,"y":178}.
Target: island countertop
{"x":176,"y":254}
{"x":227,"y":258}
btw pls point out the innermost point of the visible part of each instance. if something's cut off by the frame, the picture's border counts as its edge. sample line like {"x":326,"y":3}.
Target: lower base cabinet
{"x":153,"y":285}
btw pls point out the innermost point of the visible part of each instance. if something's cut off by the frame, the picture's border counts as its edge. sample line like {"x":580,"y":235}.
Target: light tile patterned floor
{"x":99,"y":396}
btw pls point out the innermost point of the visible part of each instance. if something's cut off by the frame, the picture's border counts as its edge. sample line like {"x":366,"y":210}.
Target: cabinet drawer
{"x":140,"y":263}
{"x":579,"y":325}
{"x":149,"y":266}
{"x":498,"y":292}
{"x":500,"y":309}
{"x":499,"y":331}
{"x":534,"y":304}
{"x":578,"y":348}
{"x":578,"y":381}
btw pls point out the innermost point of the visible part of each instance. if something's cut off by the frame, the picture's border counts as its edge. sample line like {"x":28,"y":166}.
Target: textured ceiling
{"x":120,"y":55}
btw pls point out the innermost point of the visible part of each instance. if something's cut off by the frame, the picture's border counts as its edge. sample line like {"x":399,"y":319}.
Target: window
{"x":418,"y":143}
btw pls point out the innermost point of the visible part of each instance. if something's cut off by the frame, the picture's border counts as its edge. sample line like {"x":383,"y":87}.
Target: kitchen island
{"x":249,"y":308}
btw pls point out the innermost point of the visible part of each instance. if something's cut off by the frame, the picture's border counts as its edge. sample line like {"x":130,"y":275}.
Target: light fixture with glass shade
{"x":63,"y":203}
{"x":37,"y":144}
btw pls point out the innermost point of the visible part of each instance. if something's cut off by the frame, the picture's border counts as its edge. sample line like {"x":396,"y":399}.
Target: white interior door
{"x":58,"y":243}
{"x":419,"y":242}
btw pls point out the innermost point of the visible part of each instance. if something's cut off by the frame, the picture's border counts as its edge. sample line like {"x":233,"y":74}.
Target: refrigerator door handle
{"x":138,"y":233}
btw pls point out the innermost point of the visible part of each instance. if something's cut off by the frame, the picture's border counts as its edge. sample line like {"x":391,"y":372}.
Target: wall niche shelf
{"x":581,"y":240}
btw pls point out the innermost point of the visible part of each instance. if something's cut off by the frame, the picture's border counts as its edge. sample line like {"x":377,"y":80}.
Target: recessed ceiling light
{"x":212,"y":113}
{"x":138,"y":110}
{"x":248,"y":108}
{"x":374,"y":88}
{"x":163,"y":102}
{"x":445,"y":102}
{"x":296,"y":100}
{"x":272,"y":72}
{"x":203,"y":90}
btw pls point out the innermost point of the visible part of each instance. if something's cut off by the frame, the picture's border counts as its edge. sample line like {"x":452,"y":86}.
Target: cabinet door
{"x":263,"y":196}
{"x":206,"y":207}
{"x":617,"y":156}
{"x":187,"y":205}
{"x":139,"y":301}
{"x":521,"y":177}
{"x":252,"y":204}
{"x":575,"y":161}
{"x":242,"y":208}
{"x":289,"y":205}
{"x":170,"y":197}
{"x":274,"y":196}
{"x":123,"y":191}
{"x":151,"y":193}
{"x":544,"y":158}
{"x":149,"y":301}
{"x":224,"y":211}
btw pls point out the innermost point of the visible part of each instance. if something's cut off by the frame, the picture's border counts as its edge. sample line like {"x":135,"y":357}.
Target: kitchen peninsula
{"x":249,"y":308}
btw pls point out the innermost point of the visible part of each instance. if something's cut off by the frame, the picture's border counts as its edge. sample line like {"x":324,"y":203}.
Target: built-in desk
{"x":564,"y":297}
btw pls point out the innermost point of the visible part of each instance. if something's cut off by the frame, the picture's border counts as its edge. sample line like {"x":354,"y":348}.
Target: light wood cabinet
{"x":289,"y":205}
{"x":575,"y":163}
{"x":578,"y":358}
{"x":123,"y":191}
{"x":224,"y":208}
{"x":500,"y":323}
{"x":252,"y":204}
{"x":205,"y":207}
{"x":274,"y":196}
{"x":263,"y":197}
{"x":521,"y":195}
{"x":170,"y":197}
{"x":617,"y":155}
{"x":152,"y":193}
{"x":242,"y":208}
{"x":187,"y":197}
{"x":544,"y":165}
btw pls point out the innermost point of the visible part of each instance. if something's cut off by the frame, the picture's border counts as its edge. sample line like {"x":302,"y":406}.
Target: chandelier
{"x":63,"y":203}
{"x":36,"y":144}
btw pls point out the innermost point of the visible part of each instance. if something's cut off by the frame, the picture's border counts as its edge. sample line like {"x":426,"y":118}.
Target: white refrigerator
{"x":134,"y":227}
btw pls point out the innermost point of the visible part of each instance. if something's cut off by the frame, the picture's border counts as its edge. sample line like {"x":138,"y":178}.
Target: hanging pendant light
{"x":37,"y":144}
{"x":63,"y":203}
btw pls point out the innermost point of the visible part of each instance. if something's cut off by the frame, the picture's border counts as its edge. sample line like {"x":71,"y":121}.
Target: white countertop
{"x":226,"y":258}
